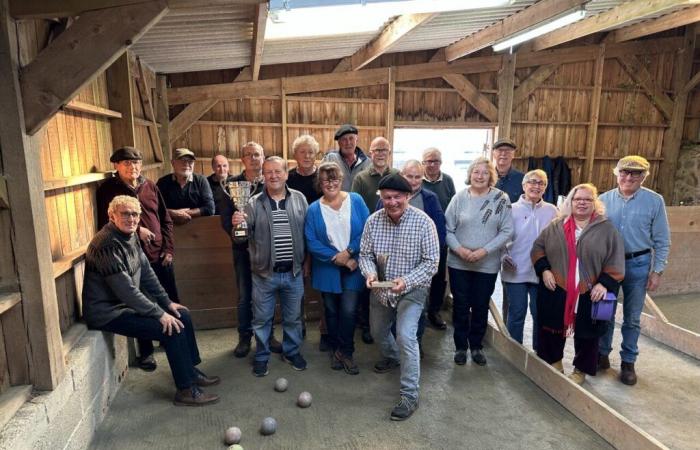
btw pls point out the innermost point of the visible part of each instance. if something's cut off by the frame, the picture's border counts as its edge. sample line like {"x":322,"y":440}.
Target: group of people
{"x":378,"y":244}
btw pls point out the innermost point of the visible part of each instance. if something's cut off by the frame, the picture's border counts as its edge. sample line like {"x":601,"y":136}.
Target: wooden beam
{"x":258,"y":39}
{"x":389,"y":37}
{"x":162,"y":114}
{"x":283,"y":109}
{"x":65,"y":263}
{"x":498,"y":318}
{"x":670,"y":150}
{"x":12,"y":400}
{"x":518,"y":22}
{"x":147,"y":105}
{"x":9,"y":300}
{"x":49,"y":9}
{"x":592,"y":132}
{"x":79,"y":54}
{"x":675,"y":19}
{"x":391,"y":109}
{"x":690,"y":85}
{"x":471,"y":94}
{"x":75,"y":105}
{"x":119,"y":93}
{"x":641,"y":76}
{"x":614,"y":17}
{"x":654,"y":308}
{"x":532,"y":82}
{"x":506,"y":85}
{"x":31,"y":243}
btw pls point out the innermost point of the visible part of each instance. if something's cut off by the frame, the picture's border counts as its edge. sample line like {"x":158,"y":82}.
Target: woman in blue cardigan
{"x":334,"y":225}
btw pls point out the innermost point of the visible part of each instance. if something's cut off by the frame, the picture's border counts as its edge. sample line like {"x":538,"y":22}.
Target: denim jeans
{"x":634,"y":289}
{"x":517,"y":309}
{"x":340,"y":311}
{"x":471,"y":292}
{"x":180,"y":348}
{"x":265,"y":291}
{"x":405,"y":347}
{"x":241,"y":262}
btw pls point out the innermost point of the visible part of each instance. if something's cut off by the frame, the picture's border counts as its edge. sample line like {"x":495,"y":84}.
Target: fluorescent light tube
{"x":540,"y":30}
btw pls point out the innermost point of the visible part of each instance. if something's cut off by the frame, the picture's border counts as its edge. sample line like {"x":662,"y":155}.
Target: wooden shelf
{"x":230,"y":123}
{"x":442,"y":125}
{"x":550,"y":122}
{"x":59,"y":183}
{"x":66,"y":262}
{"x":334,"y":99}
{"x":145,"y":123}
{"x":7,"y":301}
{"x":75,"y":105}
{"x":632,"y":125}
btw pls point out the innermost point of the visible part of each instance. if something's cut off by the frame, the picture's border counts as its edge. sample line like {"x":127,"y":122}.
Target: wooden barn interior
{"x":81,"y":78}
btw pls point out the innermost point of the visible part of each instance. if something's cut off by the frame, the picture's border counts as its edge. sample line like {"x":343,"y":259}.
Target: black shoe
{"x":460,"y":357}
{"x":275,"y":345}
{"x":243,"y":347}
{"x":323,"y":345}
{"x":367,"y":336}
{"x":386,"y":365}
{"x":603,"y":362}
{"x":336,"y":364}
{"x":404,"y":409}
{"x":478,"y":357}
{"x":147,"y":363}
{"x":348,"y":363}
{"x":296,"y":361}
{"x":627,"y":374}
{"x":260,"y":368}
{"x":436,"y":321}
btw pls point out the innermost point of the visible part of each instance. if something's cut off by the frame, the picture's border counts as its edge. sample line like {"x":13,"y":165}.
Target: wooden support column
{"x":672,"y":137}
{"x":592,"y":133}
{"x":391,"y":109}
{"x":149,"y":111}
{"x":119,"y":90}
{"x":506,"y":86}
{"x":285,"y":132}
{"x":162,"y":115}
{"x":30,"y":230}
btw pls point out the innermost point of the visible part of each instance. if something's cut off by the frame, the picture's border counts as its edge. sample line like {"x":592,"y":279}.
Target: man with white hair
{"x":639,"y":215}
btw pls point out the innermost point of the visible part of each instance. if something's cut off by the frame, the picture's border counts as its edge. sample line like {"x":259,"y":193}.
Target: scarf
{"x":571,"y":288}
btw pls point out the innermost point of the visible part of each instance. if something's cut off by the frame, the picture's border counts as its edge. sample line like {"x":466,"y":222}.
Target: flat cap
{"x":505,"y":142}
{"x":345,"y":129}
{"x":180,"y":153}
{"x":126,"y":154}
{"x":633,"y":162}
{"x":396,"y":182}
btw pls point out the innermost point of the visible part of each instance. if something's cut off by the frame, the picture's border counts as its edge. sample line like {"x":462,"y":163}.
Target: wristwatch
{"x":350,"y":251}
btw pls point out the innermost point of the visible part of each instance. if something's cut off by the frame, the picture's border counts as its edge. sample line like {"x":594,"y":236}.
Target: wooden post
{"x":119,"y":89}
{"x":285,"y":132}
{"x":674,"y":133}
{"x":506,"y":85}
{"x":592,"y":132}
{"x":390,"y":109}
{"x":162,"y":115}
{"x":21,"y":160}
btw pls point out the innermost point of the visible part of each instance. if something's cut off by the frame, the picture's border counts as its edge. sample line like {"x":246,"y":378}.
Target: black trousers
{"x":471,"y":292}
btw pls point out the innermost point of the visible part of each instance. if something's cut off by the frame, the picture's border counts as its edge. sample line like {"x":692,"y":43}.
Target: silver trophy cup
{"x":239,"y":191}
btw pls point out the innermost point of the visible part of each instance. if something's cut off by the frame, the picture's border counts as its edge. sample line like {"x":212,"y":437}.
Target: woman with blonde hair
{"x":579,"y":258}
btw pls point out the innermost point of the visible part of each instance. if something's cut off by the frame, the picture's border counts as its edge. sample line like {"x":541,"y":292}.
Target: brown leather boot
{"x":627,"y":374}
{"x":603,"y":362}
{"x":194,"y":396}
{"x":202,"y":380}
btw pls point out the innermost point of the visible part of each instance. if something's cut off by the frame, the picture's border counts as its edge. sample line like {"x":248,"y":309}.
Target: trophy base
{"x":382,"y":284}
{"x":240,"y":236}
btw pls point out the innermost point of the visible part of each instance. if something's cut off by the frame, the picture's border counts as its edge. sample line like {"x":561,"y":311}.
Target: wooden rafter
{"x":79,"y":54}
{"x":673,"y":20}
{"x":506,"y":86}
{"x":471,"y":94}
{"x":615,"y":17}
{"x":690,"y":85}
{"x":641,"y":76}
{"x":532,"y":82}
{"x":393,"y":32}
{"x":256,"y":52}
{"x":520,"y":21}
{"x":147,"y":105}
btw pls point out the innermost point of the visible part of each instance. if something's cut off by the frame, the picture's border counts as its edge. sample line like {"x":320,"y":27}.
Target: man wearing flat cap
{"x":187,"y":194}
{"x":640,"y":217}
{"x":399,"y":245}
{"x":155,"y":229}
{"x":351,"y":159}
{"x":510,"y":180}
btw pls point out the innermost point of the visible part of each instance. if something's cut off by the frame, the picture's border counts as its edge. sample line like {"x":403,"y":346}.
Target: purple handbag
{"x":605,"y":308}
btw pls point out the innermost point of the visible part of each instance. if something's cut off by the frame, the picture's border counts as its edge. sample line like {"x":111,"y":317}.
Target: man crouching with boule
{"x":122,"y":295}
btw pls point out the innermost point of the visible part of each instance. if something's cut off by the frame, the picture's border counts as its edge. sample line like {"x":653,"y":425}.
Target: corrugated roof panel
{"x":313,"y":49}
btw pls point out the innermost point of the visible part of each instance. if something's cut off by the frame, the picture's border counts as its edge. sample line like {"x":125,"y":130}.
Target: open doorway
{"x":459,"y":147}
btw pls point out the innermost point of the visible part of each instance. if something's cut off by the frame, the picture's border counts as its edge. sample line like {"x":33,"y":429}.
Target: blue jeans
{"x":241,"y":262}
{"x":405,"y":347}
{"x":634,"y":289}
{"x":471,"y":292}
{"x":265,"y":290}
{"x":517,"y":309}
{"x":180,"y":348}
{"x":340,"y":312}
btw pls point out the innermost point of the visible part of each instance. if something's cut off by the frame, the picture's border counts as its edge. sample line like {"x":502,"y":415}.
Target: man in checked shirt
{"x":406,"y":238}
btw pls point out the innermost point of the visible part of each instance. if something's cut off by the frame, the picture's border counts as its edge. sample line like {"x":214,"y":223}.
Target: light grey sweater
{"x":478,"y":222}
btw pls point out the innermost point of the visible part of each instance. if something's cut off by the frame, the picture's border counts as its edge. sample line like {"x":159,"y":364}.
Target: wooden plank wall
{"x":553,"y":120}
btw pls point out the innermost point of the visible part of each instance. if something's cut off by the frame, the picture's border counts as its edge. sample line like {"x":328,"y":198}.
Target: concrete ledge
{"x":601,"y":418}
{"x":68,"y":416}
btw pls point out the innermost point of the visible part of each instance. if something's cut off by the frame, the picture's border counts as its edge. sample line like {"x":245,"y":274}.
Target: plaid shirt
{"x":412,"y":246}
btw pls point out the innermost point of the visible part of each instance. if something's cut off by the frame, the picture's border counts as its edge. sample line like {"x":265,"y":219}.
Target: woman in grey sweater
{"x":479,"y":223}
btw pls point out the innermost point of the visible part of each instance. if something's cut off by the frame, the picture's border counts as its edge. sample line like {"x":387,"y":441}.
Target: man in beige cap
{"x":639,"y":215}
{"x":187,"y":194}
{"x":510,"y":180}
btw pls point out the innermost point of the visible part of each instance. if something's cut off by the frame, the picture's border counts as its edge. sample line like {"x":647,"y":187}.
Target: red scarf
{"x":571,"y":287}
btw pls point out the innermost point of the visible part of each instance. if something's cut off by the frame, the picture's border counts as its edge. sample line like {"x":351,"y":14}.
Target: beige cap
{"x":180,"y":153}
{"x":633,"y":162}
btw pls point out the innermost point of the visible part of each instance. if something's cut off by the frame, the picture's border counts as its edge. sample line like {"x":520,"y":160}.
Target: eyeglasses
{"x":536,"y":182}
{"x":129,"y":215}
{"x":504,"y":149}
{"x":432,"y":161}
{"x":379,"y":150}
{"x":330,"y":182}
{"x":187,"y":161}
{"x":130,"y":162}
{"x":631,"y":173}
{"x":582,"y":200}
